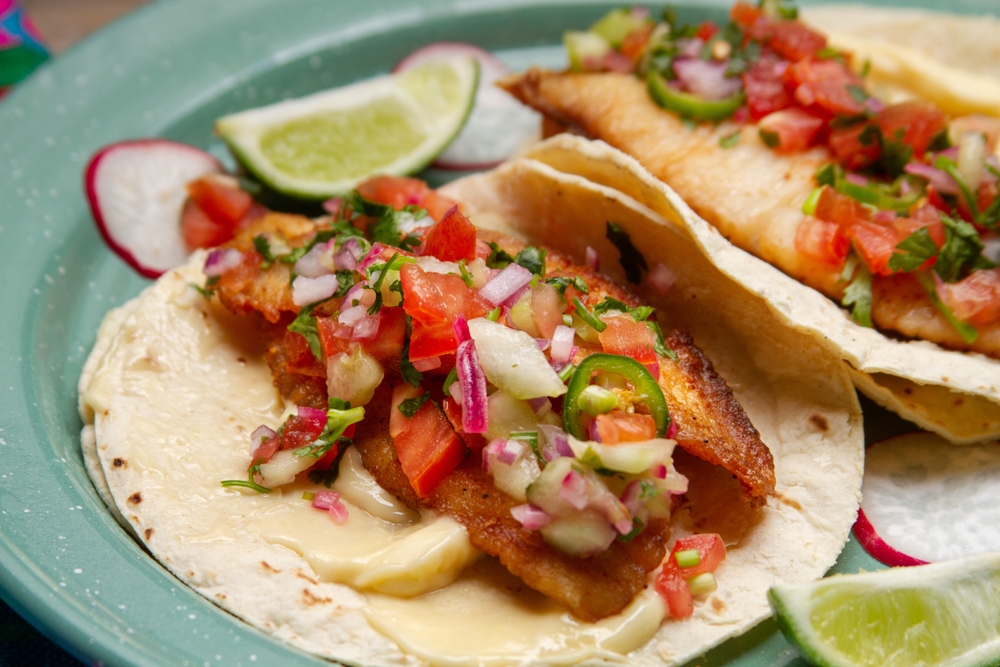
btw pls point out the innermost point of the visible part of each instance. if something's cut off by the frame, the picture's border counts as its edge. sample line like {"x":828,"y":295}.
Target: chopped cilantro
{"x":964,"y":329}
{"x":587,"y":316}
{"x":639,"y":314}
{"x":533,"y":259}
{"x":730,"y":140}
{"x":337,"y":420}
{"x":406,"y":369}
{"x":562,"y":282}
{"x":648,"y":489}
{"x":962,"y":251}
{"x":659,"y":344}
{"x":530,"y":437}
{"x":464,"y":272}
{"x":637,"y":527}
{"x":498,"y":257}
{"x":770,"y":139}
{"x":630,"y":258}
{"x":263,"y":248}
{"x":387,"y":229}
{"x":305,"y":324}
{"x":329,"y":476}
{"x":494,"y":314}
{"x":859,"y":94}
{"x":410,"y":406}
{"x":939,"y":142}
{"x":858,"y":295}
{"x":913,"y":251}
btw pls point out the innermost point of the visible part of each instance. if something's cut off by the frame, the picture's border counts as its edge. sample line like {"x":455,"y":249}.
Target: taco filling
{"x":530,"y":399}
{"x":776,"y":138}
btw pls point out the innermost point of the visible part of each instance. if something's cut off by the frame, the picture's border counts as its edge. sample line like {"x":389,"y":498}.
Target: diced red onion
{"x":654,"y":368}
{"x":689,"y":47}
{"x":543,"y":343}
{"x":555,"y":442}
{"x":515,"y":297}
{"x":260,"y":435}
{"x":351,"y":316}
{"x":503,"y":450}
{"x":593,"y":433}
{"x":661,"y":278}
{"x":616,"y":513}
{"x":856,"y":179}
{"x":332,"y":206}
{"x":672,"y":429}
{"x":659,"y":471}
{"x":951,"y":153}
{"x":373,"y":257}
{"x":512,"y":279}
{"x":366,"y":328}
{"x":310,"y":290}
{"x":884,"y":216}
{"x":338,"y":512}
{"x":221,"y":260}
{"x":562,"y":344}
{"x":362,"y":293}
{"x":613,"y":61}
{"x":938,"y":179}
{"x":429,"y":364}
{"x":530,"y":517}
{"x":540,"y":405}
{"x":472,"y":381}
{"x":639,"y":13}
{"x":461,"y":330}
{"x":593,"y":261}
{"x":311,"y":265}
{"x":314,"y":416}
{"x":632,"y":497}
{"x":706,"y":78}
{"x":343,"y":331}
{"x":323,"y":499}
{"x":574,"y":490}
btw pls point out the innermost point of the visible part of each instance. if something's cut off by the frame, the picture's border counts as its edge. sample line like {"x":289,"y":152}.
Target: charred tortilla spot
{"x":311,"y":599}
{"x":718,"y":606}
{"x":302,"y":575}
{"x":791,"y":502}
{"x":268,"y":567}
{"x":820,"y":422}
{"x":119,"y":463}
{"x":959,"y":401}
{"x":241,"y":361}
{"x":135,"y":498}
{"x":148,"y":533}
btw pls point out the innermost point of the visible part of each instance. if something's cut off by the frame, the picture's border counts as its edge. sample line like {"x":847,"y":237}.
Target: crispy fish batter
{"x":712,"y":426}
{"x":748,"y":192}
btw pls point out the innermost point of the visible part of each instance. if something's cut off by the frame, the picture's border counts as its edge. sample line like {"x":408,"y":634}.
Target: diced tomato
{"x":617,"y":426}
{"x":265,"y":450}
{"x":675,"y":590}
{"x":434,"y":301}
{"x":634,"y":45}
{"x":821,"y":240}
{"x":547,"y":307}
{"x":789,"y":39}
{"x":398,"y":192}
{"x":988,"y":126}
{"x":627,"y":337}
{"x":706,"y":30}
{"x":875,"y":243}
{"x":300,"y":357}
{"x":935,"y":199}
{"x":855,"y":146}
{"x":300,"y":432}
{"x":746,"y":14}
{"x":201,"y":231}
{"x":391,"y":331}
{"x":400,"y":393}
{"x":925,"y":216}
{"x":451,"y":239}
{"x":975,"y":299}
{"x":220,"y":198}
{"x":796,"y":128}
{"x":822,"y":86}
{"x":914,"y":123}
{"x":840,"y":209}
{"x":764,"y":85}
{"x":427,"y":446}
{"x":328,"y":328}
{"x":711,"y":552}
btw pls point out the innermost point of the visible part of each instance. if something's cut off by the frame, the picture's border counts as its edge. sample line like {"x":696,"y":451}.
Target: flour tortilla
{"x":164,"y":476}
{"x":954,"y":394}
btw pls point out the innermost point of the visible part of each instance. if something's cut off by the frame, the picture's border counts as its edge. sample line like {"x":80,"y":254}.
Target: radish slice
{"x":927,"y":501}
{"x":498,"y":124}
{"x":136,"y":191}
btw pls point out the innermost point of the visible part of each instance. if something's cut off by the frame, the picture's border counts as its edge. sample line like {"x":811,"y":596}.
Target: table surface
{"x":61,"y":24}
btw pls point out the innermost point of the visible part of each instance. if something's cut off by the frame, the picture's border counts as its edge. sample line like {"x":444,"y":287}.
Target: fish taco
{"x":863,"y":170}
{"x":439,"y":443}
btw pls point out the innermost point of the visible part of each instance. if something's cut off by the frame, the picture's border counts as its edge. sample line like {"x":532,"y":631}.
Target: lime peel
{"x":323,"y":145}
{"x":939,"y":615}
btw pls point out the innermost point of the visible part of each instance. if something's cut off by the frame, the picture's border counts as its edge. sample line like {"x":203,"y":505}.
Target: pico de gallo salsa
{"x":907,"y":189}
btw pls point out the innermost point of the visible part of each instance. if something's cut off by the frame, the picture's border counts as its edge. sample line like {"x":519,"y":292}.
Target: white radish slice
{"x":926,"y":500}
{"x":136,"y":190}
{"x":498,"y":124}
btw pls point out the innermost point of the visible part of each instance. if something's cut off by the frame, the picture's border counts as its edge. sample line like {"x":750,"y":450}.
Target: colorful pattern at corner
{"x":21,"y":48}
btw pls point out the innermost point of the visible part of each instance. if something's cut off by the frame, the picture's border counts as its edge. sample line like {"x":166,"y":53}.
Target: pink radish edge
{"x":877,"y":547}
{"x":93,"y":197}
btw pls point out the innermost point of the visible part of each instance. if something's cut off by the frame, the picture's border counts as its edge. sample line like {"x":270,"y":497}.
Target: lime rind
{"x":323,"y":145}
{"x":941,"y":615}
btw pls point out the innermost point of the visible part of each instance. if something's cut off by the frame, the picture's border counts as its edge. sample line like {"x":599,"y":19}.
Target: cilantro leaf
{"x":263,"y":248}
{"x":915,"y":249}
{"x":305,"y":324}
{"x":630,"y":258}
{"x":388,"y":229}
{"x":968,"y":332}
{"x":406,"y":368}
{"x":858,"y":296}
{"x":533,"y":259}
{"x":660,"y":345}
{"x":410,"y":406}
{"x":770,"y":139}
{"x":337,"y":421}
{"x":730,"y":140}
{"x":498,"y":257}
{"x":562,"y":282}
{"x":329,"y":476}
{"x":962,"y":251}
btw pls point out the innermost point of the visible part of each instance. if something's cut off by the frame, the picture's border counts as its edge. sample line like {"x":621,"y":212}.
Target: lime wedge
{"x":945,"y":614}
{"x":322,"y":145}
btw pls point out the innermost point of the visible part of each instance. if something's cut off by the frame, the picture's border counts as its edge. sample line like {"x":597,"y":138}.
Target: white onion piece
{"x":311,"y":290}
{"x":259,"y":435}
{"x":931,"y":500}
{"x":353,"y":376}
{"x":562,"y":344}
{"x":574,"y":490}
{"x":283,"y":468}
{"x":432,"y":264}
{"x":311,"y":265}
{"x":971,"y":153}
{"x":512,"y":361}
{"x":940,"y":180}
{"x":429,"y":364}
{"x":366,"y":328}
{"x":506,"y":284}
{"x":351,"y":316}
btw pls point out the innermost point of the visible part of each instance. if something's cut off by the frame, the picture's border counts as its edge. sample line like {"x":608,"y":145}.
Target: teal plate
{"x":169,"y":70}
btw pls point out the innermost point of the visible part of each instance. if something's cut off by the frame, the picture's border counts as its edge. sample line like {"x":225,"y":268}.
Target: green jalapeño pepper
{"x":689,"y":105}
{"x":647,"y":391}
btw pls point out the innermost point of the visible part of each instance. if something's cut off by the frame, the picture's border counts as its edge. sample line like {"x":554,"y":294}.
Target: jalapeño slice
{"x":644,"y":385}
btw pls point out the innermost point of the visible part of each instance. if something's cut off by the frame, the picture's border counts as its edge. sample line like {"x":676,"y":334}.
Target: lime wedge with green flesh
{"x":323,"y":145}
{"x":940,"y":615}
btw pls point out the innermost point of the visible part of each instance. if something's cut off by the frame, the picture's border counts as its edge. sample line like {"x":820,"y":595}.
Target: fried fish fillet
{"x":751,"y":194}
{"x":712,"y":426}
